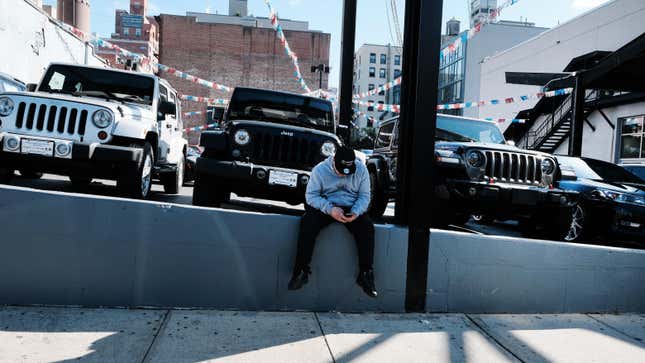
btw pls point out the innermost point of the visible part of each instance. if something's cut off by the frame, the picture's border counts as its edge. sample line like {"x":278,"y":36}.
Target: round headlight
{"x":328,"y":148}
{"x":6,"y":106}
{"x":102,"y":119}
{"x":242,"y":137}
{"x":475,"y":159}
{"x":548,"y":166}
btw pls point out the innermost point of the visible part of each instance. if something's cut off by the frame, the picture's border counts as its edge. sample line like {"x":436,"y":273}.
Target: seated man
{"x":339,"y":190}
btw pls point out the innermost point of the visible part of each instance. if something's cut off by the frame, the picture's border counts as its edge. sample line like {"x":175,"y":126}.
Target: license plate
{"x":38,"y":147}
{"x":283,"y":178}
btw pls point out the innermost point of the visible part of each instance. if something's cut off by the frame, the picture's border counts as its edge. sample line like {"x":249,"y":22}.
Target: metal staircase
{"x":548,"y":135}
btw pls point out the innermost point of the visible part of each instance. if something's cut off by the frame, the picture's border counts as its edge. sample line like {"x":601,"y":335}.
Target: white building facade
{"x":606,"y":28}
{"x":376,"y":65}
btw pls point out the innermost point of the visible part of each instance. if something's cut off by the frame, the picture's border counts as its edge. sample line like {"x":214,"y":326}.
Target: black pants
{"x":313,"y":221}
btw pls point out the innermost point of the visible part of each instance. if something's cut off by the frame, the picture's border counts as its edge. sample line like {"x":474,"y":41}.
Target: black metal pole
{"x":577,"y":118}
{"x":347,"y":68}
{"x":421,"y":46}
{"x":322,"y":69}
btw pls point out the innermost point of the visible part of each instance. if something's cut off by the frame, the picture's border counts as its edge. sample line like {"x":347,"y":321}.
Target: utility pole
{"x":322,"y":69}
{"x":347,"y":68}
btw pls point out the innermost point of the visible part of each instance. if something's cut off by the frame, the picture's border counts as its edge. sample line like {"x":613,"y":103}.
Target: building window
{"x":381,"y":93}
{"x":632,"y":136}
{"x":383,"y":59}
{"x":372,"y":72}
{"x":381,"y":103}
{"x":373,"y":58}
{"x":397,"y":60}
{"x":381,"y":72}
{"x":137,"y":32}
{"x":370,"y":108}
{"x":126,"y":31}
{"x":370,"y":87}
{"x":397,"y":73}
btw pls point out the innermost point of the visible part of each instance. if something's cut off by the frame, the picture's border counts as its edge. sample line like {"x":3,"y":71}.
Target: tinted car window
{"x":638,"y":170}
{"x":281,"y":108}
{"x":598,"y":170}
{"x":474,"y":130}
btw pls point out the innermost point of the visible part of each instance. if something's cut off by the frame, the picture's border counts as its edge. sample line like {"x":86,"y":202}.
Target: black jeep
{"x":268,"y":144}
{"x":478,"y":172}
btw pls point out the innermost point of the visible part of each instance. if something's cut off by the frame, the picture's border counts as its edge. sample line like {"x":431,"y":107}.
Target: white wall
{"x":604,"y":143}
{"x":608,"y":27}
{"x":492,"y":39}
{"x":31,"y":40}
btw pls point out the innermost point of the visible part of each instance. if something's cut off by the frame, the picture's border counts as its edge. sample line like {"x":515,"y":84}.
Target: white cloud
{"x":586,"y":4}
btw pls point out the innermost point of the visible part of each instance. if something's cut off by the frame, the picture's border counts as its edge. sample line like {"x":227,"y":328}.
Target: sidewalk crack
{"x":162,"y":327}
{"x":325,"y":338}
{"x":491,"y":337}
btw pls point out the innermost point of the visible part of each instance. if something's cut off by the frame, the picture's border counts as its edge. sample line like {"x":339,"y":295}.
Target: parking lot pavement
{"x":40,"y":334}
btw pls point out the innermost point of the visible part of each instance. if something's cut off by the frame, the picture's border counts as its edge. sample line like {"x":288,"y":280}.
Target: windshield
{"x":82,"y":81}
{"x":599,"y":170}
{"x":639,"y":171}
{"x":249,"y":104}
{"x":469,"y":130}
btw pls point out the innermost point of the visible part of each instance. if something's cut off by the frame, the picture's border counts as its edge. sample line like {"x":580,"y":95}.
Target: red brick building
{"x":237,"y":51}
{"x":136,"y":32}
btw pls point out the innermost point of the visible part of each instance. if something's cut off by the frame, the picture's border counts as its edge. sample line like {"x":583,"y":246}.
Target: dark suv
{"x":478,"y":172}
{"x":268,"y":144}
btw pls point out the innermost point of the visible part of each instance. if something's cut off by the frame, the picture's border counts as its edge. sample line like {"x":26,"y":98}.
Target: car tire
{"x":136,"y":181}
{"x":378,"y":200}
{"x":80,"y":182}
{"x":172,"y":182}
{"x":6,"y":175}
{"x":30,"y":174}
{"x":208,"y":192}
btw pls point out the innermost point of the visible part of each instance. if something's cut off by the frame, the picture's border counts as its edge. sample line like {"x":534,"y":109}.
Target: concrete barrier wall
{"x":483,"y":274}
{"x":67,"y":249}
{"x":58,"y":248}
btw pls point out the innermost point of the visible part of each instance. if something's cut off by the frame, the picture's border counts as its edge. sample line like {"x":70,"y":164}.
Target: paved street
{"x":36,"y":334}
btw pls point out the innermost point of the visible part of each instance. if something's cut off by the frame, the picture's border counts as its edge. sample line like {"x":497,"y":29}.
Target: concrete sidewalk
{"x":113,"y":335}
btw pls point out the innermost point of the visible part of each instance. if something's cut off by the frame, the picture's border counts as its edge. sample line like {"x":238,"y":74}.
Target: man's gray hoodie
{"x":326,"y":189}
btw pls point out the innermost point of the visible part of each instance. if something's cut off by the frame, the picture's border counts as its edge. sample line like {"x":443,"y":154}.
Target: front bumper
{"x":252,"y":180}
{"x":96,"y":160}
{"x":628,"y":222}
{"x":504,"y":200}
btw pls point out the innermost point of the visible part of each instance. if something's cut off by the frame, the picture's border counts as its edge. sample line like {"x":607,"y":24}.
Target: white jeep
{"x":89,"y":122}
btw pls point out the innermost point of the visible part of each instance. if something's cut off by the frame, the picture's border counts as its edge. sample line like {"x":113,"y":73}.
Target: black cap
{"x":345,"y":160}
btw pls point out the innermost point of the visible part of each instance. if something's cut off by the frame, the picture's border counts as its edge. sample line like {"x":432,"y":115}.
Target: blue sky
{"x":326,"y":15}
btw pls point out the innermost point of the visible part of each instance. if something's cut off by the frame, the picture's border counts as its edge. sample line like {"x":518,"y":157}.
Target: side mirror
{"x":31,"y":87}
{"x":167,"y":108}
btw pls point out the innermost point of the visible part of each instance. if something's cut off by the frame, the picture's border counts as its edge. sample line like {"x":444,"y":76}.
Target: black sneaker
{"x":365,"y":280}
{"x":299,"y":279}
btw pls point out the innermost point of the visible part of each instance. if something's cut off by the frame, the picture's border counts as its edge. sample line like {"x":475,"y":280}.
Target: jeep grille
{"x":45,"y":119}
{"x":285,"y":151}
{"x":513,"y":167}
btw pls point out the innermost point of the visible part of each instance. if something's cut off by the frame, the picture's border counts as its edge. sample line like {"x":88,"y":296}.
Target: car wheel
{"x":576,"y":229}
{"x":378,"y":201}
{"x":80,"y":182}
{"x":30,"y":174}
{"x":137,"y":180}
{"x":172,"y":182}
{"x":208,"y":192}
{"x":6,"y":175}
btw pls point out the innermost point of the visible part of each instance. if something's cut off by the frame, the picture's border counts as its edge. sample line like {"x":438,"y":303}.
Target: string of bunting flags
{"x":201,"y":128}
{"x":213,"y":101}
{"x":457,"y":106}
{"x":275,"y":23}
{"x":450,"y":48}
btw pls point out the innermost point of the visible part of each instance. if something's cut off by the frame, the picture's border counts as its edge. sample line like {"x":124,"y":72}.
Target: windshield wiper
{"x":107,"y":94}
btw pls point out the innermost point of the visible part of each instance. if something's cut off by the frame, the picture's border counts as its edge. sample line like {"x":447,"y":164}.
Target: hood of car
{"x":487,"y":146}
{"x":122,"y":110}
{"x":622,"y":187}
{"x":282,"y":129}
